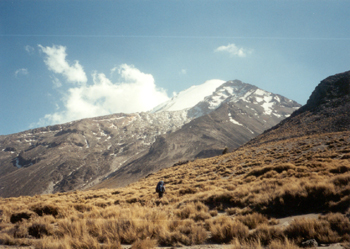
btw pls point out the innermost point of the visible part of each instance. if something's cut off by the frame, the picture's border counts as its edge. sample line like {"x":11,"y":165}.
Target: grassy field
{"x":234,"y":199}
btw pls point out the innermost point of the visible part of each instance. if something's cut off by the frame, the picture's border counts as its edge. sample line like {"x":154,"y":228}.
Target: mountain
{"x":232,"y":115}
{"x":79,"y":154}
{"x":118,"y":149}
{"x":286,"y":188}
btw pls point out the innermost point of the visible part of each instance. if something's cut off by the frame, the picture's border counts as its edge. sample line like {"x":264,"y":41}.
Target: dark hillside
{"x":327,"y":110}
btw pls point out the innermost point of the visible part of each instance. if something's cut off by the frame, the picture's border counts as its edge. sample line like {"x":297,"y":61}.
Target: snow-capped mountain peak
{"x":246,"y":96}
{"x":232,"y":90}
{"x":200,"y":100}
{"x":189,"y":97}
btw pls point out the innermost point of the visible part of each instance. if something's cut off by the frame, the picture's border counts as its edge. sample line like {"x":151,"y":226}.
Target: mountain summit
{"x":232,"y":115}
{"x":118,"y":149}
{"x":243,"y":94}
{"x":189,"y":97}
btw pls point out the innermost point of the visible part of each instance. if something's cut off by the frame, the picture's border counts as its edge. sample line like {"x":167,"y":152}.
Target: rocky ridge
{"x":327,"y":110}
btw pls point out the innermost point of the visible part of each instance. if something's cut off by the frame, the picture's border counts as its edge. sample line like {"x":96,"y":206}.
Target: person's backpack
{"x":160,"y":187}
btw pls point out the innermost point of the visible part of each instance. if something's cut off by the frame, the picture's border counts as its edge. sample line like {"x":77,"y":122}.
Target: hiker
{"x":160,"y":189}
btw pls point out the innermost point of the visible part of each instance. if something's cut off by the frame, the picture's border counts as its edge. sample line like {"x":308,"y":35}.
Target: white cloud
{"x":233,"y":50}
{"x":22,"y":71}
{"x":29,"y":49}
{"x":135,"y":93}
{"x":56,"y":62}
{"x":113,"y":70}
{"x":183,"y":71}
{"x":56,"y":82}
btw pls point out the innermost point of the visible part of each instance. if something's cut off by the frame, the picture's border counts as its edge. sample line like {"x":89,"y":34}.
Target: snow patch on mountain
{"x":233,"y":120}
{"x":190,"y":97}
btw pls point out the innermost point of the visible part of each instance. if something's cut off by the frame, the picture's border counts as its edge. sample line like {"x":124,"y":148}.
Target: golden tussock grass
{"x":256,"y":244}
{"x":304,"y":229}
{"x":144,"y":244}
{"x":215,"y":200}
{"x":224,"y":229}
{"x":253,"y":220}
{"x":267,"y":234}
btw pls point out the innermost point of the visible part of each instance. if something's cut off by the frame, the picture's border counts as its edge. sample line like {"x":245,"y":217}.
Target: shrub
{"x":276,"y":168}
{"x":224,"y":229}
{"x":187,"y":190}
{"x":302,"y":197}
{"x":340,"y":170}
{"x":144,"y":244}
{"x":252,"y":220}
{"x":184,"y":232}
{"x":250,"y":244}
{"x":19,"y":217}
{"x":200,"y":216}
{"x":45,"y":210}
{"x":50,"y":243}
{"x":341,"y":180}
{"x":126,"y":230}
{"x":86,"y":242}
{"x":286,"y":244}
{"x":196,"y":211}
{"x":266,"y":234}
{"x":224,"y":199}
{"x":305,"y":229}
{"x":38,"y":230}
{"x":6,"y":239}
{"x":20,"y":231}
{"x":196,"y":234}
{"x":67,"y":227}
{"x":338,"y":223}
{"x":186,"y":211}
{"x":273,"y":221}
{"x":232,"y":211}
{"x":340,"y":206}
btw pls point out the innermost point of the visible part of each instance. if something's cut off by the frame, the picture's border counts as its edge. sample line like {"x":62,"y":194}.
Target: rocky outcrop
{"x":331,"y":92}
{"x":327,"y":110}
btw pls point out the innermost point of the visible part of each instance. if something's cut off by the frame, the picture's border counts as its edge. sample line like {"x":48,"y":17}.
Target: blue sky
{"x":66,"y":60}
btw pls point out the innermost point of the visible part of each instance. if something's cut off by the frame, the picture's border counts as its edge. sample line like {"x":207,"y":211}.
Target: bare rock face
{"x":327,"y":110}
{"x":115,"y":150}
{"x":332,"y":90}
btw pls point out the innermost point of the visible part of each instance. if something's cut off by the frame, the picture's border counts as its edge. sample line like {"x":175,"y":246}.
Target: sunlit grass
{"x":234,"y":198}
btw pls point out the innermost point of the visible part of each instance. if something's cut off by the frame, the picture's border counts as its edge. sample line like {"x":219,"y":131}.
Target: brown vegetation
{"x":236,"y":197}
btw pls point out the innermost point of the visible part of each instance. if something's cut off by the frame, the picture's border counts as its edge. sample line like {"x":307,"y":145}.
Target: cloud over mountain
{"x":135,"y":92}
{"x":56,"y":62}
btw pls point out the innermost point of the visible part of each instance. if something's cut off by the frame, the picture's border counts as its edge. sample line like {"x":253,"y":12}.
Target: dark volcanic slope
{"x":327,"y":110}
